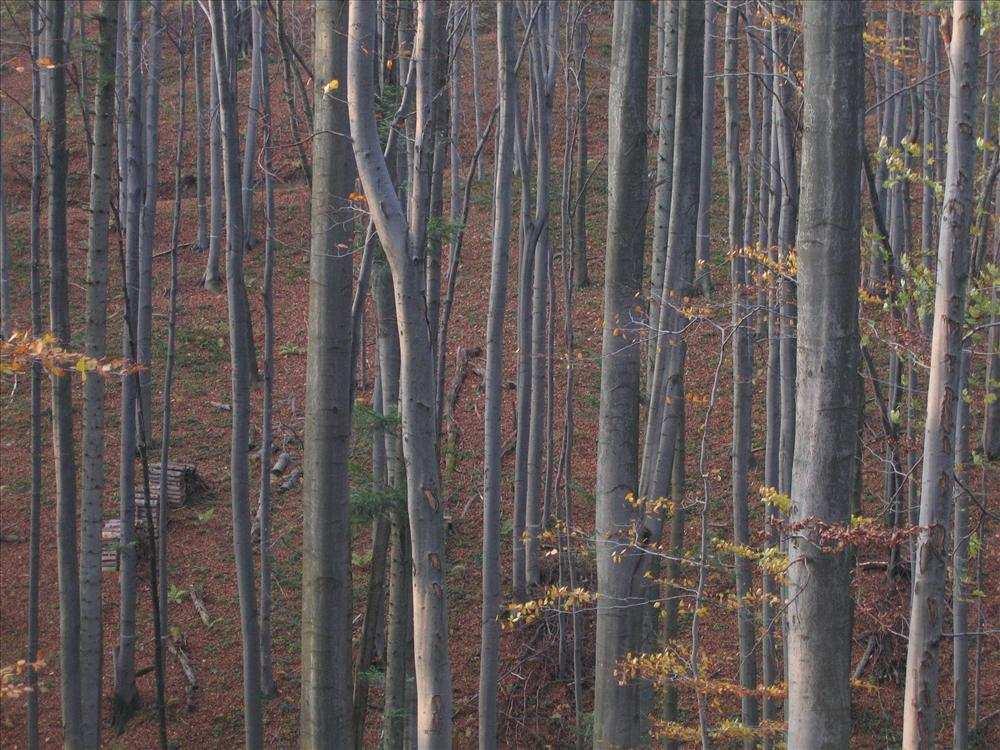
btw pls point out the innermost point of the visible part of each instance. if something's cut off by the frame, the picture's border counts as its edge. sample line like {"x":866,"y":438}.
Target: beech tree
{"x":829,"y":258}
{"x":403,"y":237}
{"x":616,"y":707}
{"x":928,"y":600}
{"x":326,"y":703}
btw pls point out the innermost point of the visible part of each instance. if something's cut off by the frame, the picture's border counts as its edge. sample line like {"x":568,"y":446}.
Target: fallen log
{"x":199,"y":606}
{"x":191,"y":690}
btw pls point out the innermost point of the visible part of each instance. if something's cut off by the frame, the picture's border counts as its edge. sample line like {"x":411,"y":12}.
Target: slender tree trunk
{"x":6,"y":309}
{"x":62,"y":398}
{"x":580,"y":37}
{"x":829,"y":249}
{"x":289,"y":90}
{"x":616,"y":707}
{"x":34,"y":538}
{"x":151,"y":123}
{"x":213,"y":272}
{"x":268,"y":687}
{"x":250,"y":154}
{"x":492,"y":385}
{"x":326,"y":704}
{"x":667,"y":104}
{"x":126,"y":698}
{"x":403,"y":238}
{"x":742,"y":362}
{"x":960,"y":564}
{"x":91,"y":649}
{"x":224,"y":54}
{"x":928,"y":600}
{"x":202,"y":120}
{"x":704,"y":247}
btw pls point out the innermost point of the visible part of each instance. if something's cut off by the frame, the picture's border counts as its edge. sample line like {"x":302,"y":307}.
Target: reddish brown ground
{"x":536,"y":702}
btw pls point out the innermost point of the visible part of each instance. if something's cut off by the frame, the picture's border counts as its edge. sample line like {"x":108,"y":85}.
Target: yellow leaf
{"x":46,"y":62}
{"x":332,"y":85}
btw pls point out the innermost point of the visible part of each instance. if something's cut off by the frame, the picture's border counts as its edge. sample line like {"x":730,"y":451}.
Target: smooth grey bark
{"x":742,"y":360}
{"x":62,"y":397}
{"x":928,"y":597}
{"x":253,"y":116}
{"x":121,"y":113}
{"x":224,"y":55}
{"x":666,"y":105}
{"x":930,"y":61}
{"x":267,"y":684}
{"x":403,"y":236}
{"x":704,"y":248}
{"x":326,"y":701}
{"x":616,"y":707}
{"x":399,"y":622}
{"x":91,"y":649}
{"x":820,"y":610}
{"x":35,"y":522}
{"x":202,"y":120}
{"x":492,"y":382}
{"x":151,"y":124}
{"x":543,"y":48}
{"x":126,"y":697}
{"x":477,"y":101}
{"x":960,"y":563}
{"x":213,"y":272}
{"x":580,"y":42}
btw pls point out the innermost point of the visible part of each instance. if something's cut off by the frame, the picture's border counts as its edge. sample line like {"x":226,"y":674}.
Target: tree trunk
{"x":820,"y":607}
{"x":742,"y":364}
{"x":91,"y":649}
{"x":403,"y":239}
{"x":580,"y":37}
{"x":616,"y":707}
{"x":224,"y":54}
{"x":928,"y":600}
{"x":704,"y":247}
{"x":213,"y":272}
{"x":62,"y":398}
{"x":268,"y":687}
{"x":34,"y":538}
{"x":126,"y":698}
{"x":667,"y":104}
{"x":202,"y":120}
{"x":492,"y":382}
{"x":960,"y":564}
{"x":151,"y":123}
{"x":326,"y":704}
{"x":6,"y":309}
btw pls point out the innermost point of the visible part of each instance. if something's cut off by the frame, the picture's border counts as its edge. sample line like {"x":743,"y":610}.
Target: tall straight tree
{"x":742,"y":362}
{"x":62,"y":394}
{"x":326,"y":709}
{"x":928,"y":606}
{"x":616,"y":706}
{"x":93,"y":407}
{"x":704,"y":251}
{"x":403,"y":237}
{"x":829,"y":248}
{"x":125,"y":697}
{"x":493,"y":385}
{"x":223,"y":23}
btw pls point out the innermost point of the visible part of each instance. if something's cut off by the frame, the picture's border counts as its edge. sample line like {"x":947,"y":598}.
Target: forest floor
{"x":536,"y":700}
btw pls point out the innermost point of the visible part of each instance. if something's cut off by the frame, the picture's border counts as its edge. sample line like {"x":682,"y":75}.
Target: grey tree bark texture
{"x":126,"y":697}
{"x":326,"y":701}
{"x":62,"y":396}
{"x":928,"y":607}
{"x":202,"y":118}
{"x":91,"y":650}
{"x":580,"y":42}
{"x":742,"y":365}
{"x":213,"y":271}
{"x":403,"y":237}
{"x":703,"y":276}
{"x":820,"y":608}
{"x":35,"y":251}
{"x":224,"y":54}
{"x":492,"y":383}
{"x":960,"y":565}
{"x":616,"y":707}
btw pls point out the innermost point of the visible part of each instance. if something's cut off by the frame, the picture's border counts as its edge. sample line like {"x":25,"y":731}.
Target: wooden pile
{"x":111,"y":536}
{"x":182,"y":483}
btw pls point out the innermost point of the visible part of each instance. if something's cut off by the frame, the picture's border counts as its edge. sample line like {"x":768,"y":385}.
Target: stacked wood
{"x":182,"y":483}
{"x":111,"y":535}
